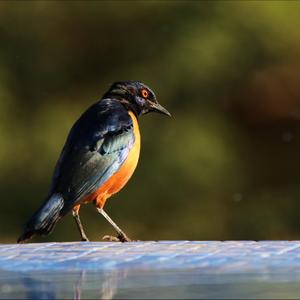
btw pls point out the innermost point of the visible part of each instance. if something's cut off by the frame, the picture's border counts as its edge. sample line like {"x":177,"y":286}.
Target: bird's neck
{"x":131,"y":107}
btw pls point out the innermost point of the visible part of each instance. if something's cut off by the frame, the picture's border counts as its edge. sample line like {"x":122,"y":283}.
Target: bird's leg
{"x":75,"y":213}
{"x":122,"y":237}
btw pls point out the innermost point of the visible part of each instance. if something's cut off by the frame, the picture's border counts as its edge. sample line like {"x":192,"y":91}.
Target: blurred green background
{"x":226,"y":166}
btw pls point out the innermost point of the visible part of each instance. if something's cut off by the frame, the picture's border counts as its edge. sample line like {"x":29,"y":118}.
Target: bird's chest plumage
{"x":118,"y":180}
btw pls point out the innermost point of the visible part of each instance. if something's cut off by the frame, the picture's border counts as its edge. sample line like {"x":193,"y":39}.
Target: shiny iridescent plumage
{"x":96,"y":148}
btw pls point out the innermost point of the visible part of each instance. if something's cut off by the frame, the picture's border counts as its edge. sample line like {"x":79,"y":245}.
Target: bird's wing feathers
{"x":96,"y":147}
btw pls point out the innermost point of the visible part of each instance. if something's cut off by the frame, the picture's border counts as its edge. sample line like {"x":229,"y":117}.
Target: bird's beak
{"x":160,"y":109}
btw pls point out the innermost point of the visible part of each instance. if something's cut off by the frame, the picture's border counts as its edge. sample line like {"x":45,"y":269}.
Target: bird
{"x":100,"y":155}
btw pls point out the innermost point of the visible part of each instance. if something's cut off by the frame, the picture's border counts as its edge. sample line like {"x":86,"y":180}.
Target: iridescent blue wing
{"x":96,"y":148}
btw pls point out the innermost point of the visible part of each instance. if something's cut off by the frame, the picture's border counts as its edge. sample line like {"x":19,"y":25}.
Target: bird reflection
{"x":105,"y":284}
{"x":110,"y":284}
{"x":78,"y":285}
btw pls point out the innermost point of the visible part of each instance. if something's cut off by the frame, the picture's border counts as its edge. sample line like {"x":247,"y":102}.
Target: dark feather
{"x":97,"y":146}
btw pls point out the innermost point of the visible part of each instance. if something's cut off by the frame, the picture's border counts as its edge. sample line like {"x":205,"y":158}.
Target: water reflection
{"x":143,"y":284}
{"x":110,"y":284}
{"x":79,"y":285}
{"x":38,"y":289}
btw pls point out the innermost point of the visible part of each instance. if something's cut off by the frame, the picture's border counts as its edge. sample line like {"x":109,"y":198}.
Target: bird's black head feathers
{"x":135,"y":96}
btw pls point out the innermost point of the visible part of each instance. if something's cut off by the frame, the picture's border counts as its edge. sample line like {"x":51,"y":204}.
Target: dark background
{"x":226,"y":166}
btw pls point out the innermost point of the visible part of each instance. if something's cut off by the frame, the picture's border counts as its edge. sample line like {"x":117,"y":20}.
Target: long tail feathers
{"x":44,"y":220}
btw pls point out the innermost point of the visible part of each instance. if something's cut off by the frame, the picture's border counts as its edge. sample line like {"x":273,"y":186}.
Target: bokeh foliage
{"x":226,"y":166}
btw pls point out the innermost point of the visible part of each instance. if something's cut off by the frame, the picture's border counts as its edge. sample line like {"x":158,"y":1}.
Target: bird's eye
{"x":145,"y":93}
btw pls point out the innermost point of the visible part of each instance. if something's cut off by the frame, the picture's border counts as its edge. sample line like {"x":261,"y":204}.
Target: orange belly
{"x":116,"y":182}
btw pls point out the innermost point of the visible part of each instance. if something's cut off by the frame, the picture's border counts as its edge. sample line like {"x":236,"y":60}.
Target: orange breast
{"x":116,"y":182}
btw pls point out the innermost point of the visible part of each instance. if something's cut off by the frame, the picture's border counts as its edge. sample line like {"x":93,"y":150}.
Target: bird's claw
{"x":110,"y":238}
{"x":119,"y":238}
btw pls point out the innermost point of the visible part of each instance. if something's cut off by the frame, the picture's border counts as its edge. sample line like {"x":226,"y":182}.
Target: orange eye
{"x":145,"y":93}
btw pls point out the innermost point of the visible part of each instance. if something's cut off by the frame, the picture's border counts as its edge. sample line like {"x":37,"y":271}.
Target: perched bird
{"x":98,"y":158}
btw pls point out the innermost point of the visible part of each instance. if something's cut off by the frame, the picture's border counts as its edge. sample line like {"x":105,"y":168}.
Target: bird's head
{"x":135,"y":96}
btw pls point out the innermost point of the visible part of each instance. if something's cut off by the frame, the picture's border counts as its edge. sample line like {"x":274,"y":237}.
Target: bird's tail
{"x":44,"y":219}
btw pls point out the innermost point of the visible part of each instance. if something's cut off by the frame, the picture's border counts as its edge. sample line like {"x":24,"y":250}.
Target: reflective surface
{"x":145,"y":270}
{"x":146,"y":285}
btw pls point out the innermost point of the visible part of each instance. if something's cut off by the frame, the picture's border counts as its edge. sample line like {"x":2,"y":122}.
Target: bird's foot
{"x":119,"y":238}
{"x":110,"y":238}
{"x":85,"y":239}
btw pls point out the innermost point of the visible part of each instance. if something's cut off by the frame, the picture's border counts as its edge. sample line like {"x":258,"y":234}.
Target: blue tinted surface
{"x":171,"y":269}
